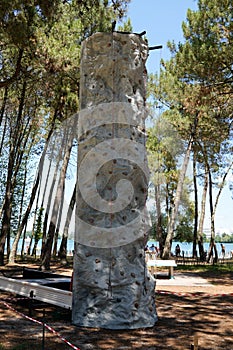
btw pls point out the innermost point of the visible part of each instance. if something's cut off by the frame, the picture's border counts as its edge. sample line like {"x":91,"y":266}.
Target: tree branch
{"x":10,"y":80}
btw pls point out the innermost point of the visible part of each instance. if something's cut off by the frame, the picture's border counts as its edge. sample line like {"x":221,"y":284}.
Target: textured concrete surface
{"x":112,"y":287}
{"x":182,"y":279}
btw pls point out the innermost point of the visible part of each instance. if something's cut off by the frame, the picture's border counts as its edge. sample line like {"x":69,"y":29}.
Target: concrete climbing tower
{"x":112,"y":287}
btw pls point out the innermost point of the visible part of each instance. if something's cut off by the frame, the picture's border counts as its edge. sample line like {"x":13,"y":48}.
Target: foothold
{"x":88,"y":254}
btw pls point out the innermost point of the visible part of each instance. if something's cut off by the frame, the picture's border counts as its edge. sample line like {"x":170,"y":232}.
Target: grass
{"x":207,"y":268}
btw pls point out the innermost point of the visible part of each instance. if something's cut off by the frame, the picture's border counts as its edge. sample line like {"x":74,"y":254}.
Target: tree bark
{"x":196,"y":206}
{"x":212,"y":246}
{"x":3,"y":105}
{"x":34,"y":189}
{"x":12,"y":255}
{"x":172,"y":221}
{"x":159,"y":229}
{"x":202,"y":216}
{"x":46,"y":257}
{"x":61,"y":208}
{"x":63,"y":246}
{"x":11,"y":170}
{"x":51,"y":191}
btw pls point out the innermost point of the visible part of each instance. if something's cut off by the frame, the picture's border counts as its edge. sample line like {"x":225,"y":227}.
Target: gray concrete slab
{"x":182,"y":279}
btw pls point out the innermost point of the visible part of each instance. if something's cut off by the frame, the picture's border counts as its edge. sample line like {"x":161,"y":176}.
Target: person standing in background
{"x":223,"y":250}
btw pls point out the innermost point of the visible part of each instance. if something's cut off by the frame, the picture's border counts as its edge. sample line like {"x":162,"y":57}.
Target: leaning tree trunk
{"x":196,"y":204}
{"x":174,"y":212}
{"x":111,"y":287}
{"x":63,"y":246}
{"x":212,"y":246}
{"x":59,"y":220}
{"x":159,"y":228}
{"x":202,"y":216}
{"x":46,"y":253}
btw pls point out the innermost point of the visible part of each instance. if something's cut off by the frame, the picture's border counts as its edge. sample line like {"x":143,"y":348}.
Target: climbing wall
{"x":111,"y":287}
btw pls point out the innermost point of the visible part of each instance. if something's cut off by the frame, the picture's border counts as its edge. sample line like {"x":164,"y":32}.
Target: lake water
{"x":187,"y":248}
{"x":184,"y":246}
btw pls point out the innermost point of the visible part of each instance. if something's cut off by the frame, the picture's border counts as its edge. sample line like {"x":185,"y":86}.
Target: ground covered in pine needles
{"x":185,"y":313}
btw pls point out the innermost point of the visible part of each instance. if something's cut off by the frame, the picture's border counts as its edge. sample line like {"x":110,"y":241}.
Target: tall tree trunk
{"x":34,"y":188}
{"x":63,"y":246}
{"x":51,"y":191}
{"x":29,"y":207}
{"x":172,"y":221}
{"x":10,"y":182}
{"x":13,"y":251}
{"x":23,"y":249}
{"x":6,"y":219}
{"x":58,"y":226}
{"x":3,"y":137}
{"x":196,"y":206}
{"x":46,"y":253}
{"x":3,"y":105}
{"x":159,"y":229}
{"x":212,"y":247}
{"x":36,"y":240}
{"x":202,"y":216}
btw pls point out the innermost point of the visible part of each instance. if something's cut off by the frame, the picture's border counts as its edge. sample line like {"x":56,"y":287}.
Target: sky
{"x":162,"y":21}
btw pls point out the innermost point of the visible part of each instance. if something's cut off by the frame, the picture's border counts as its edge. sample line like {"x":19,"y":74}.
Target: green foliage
{"x":202,"y":269}
{"x":194,"y":89}
{"x":39,"y":84}
{"x":184,"y":229}
{"x":224,"y":238}
{"x":153,"y":232}
{"x":164,"y":150}
{"x":126,"y":26}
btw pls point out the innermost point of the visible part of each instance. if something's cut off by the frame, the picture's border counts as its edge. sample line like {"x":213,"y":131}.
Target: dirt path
{"x":183,"y":311}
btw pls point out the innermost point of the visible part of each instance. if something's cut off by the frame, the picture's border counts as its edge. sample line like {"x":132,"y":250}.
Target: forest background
{"x":189,"y":138}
